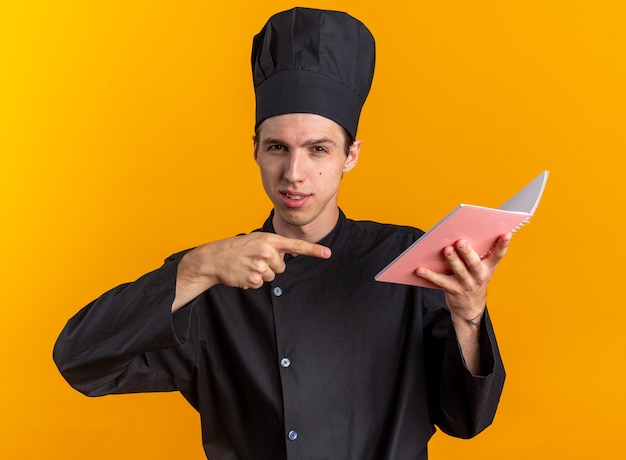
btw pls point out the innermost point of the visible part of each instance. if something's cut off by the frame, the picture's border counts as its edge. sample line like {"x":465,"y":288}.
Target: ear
{"x":353,"y":156}
{"x":256,"y":150}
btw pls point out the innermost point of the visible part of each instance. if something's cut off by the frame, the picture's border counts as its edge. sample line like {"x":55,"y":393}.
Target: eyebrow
{"x":321,"y":140}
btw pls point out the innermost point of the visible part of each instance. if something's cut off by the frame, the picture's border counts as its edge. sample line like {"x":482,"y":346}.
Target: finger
{"x":455,"y":257}
{"x":445,"y":282}
{"x":465,"y":265}
{"x":470,"y":258}
{"x":500,"y":250}
{"x":302,"y":248}
{"x":254,"y":281}
{"x":269,"y":275}
{"x":277,"y":263}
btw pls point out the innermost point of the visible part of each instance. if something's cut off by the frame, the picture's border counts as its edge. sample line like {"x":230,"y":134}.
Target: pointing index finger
{"x":303,"y":248}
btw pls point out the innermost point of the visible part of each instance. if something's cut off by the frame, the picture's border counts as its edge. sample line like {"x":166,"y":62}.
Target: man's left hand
{"x":466,"y":291}
{"x":466,"y":287}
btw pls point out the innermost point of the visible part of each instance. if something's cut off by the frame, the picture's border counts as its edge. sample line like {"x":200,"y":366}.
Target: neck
{"x":311,"y":232}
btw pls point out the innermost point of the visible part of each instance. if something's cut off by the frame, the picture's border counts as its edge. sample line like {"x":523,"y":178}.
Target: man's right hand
{"x":245,"y":261}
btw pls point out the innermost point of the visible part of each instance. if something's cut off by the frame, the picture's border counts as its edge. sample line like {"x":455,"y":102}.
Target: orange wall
{"x":125,"y":136}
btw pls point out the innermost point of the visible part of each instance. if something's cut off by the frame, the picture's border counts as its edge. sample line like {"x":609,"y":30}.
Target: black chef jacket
{"x":322,"y":363}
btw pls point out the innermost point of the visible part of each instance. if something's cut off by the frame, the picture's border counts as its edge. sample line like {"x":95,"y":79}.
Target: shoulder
{"x":376,"y":237}
{"x":378,"y":230}
{"x":367,"y":247}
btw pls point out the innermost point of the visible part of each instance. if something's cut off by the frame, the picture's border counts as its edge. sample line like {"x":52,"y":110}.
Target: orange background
{"x":125,"y":133}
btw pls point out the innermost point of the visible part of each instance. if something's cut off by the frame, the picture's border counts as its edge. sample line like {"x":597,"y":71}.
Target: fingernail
{"x":421,"y":271}
{"x":462,"y":244}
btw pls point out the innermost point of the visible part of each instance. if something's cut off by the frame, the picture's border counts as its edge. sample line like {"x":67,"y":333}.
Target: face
{"x":302,"y":158}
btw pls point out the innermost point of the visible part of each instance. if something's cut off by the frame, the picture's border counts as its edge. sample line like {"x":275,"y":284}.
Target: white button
{"x":293,"y":435}
{"x":285,"y":362}
{"x":278,"y":291}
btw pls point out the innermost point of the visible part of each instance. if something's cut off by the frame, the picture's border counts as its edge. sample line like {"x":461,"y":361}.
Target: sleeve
{"x":461,"y":404}
{"x":127,"y":340}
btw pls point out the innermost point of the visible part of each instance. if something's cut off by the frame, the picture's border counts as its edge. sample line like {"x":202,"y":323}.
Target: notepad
{"x":481,"y":226}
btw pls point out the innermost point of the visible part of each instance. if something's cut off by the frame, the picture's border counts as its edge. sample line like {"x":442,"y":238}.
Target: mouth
{"x":294,"y":199}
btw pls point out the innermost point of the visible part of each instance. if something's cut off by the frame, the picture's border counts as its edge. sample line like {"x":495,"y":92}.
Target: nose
{"x":295,"y":167}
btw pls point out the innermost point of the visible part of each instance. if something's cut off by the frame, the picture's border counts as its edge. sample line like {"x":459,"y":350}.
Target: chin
{"x":293,"y":217}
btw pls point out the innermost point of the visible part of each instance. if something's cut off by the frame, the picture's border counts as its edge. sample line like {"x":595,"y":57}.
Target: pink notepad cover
{"x":481,"y":226}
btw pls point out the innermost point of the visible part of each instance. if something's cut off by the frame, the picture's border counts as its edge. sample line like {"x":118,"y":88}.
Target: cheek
{"x":266,"y":177}
{"x":268,"y":170}
{"x":328,"y":178}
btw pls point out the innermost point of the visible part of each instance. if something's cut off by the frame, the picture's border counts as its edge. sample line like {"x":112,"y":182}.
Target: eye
{"x":319,"y":149}
{"x":276,"y":148}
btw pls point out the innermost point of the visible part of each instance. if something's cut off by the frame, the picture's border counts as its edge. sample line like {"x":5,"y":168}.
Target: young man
{"x":281,"y":338}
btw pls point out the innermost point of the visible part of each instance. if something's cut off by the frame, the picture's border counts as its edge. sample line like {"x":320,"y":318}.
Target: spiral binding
{"x":521,"y":224}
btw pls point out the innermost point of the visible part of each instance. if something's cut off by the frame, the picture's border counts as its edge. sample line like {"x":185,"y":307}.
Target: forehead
{"x":300,"y":126}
